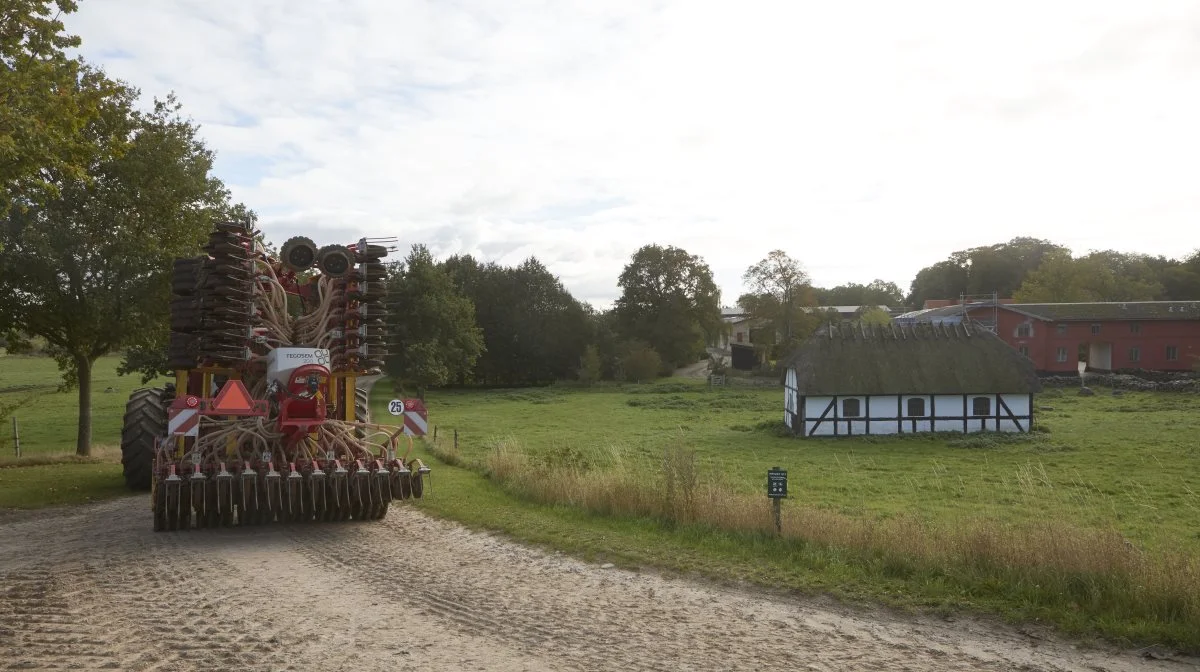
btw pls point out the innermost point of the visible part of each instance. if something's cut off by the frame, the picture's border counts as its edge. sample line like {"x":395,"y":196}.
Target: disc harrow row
{"x":256,"y":496}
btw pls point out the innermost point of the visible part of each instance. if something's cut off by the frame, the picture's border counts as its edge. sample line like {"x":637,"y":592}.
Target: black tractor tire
{"x":362,"y":410}
{"x":145,"y":423}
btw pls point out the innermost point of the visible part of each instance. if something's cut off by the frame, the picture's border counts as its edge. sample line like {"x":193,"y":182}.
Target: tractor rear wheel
{"x":145,"y":422}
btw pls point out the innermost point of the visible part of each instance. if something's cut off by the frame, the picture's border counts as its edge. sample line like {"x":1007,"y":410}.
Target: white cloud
{"x":867,"y":139}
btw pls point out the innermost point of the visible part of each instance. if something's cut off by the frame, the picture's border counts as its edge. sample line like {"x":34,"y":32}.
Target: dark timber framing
{"x":999,"y":411}
{"x":951,"y":369}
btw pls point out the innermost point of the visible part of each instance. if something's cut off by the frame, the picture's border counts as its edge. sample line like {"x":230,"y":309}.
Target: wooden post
{"x":456,"y":440}
{"x":16,"y":437}
{"x":778,"y":515}
{"x":435,"y":433}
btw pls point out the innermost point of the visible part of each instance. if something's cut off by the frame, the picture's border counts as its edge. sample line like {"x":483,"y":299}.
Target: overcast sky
{"x":866,"y":139}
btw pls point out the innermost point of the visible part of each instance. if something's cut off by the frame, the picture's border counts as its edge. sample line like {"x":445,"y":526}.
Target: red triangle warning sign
{"x":233,"y":399}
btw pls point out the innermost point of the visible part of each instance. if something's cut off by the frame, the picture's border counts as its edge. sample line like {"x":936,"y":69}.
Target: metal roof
{"x":1113,"y":310}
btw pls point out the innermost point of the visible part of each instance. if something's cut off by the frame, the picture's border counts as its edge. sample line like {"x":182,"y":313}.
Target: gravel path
{"x":94,"y":588}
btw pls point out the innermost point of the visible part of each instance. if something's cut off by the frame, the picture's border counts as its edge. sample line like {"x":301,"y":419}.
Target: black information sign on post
{"x":776,"y":482}
{"x":776,"y":490}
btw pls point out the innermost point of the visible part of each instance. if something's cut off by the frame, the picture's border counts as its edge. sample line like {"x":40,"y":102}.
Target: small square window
{"x":916,"y":408}
{"x":850,"y":408}
{"x":1024,"y":330}
{"x":1062,"y":329}
{"x":981,"y":406}
{"x":1135,"y":328}
{"x":1135,"y":354}
{"x":1061,"y":355}
{"x":1024,"y":350}
{"x":1095,"y":329}
{"x":1172,"y":353}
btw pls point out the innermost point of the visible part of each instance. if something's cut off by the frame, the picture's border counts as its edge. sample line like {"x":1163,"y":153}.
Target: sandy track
{"x":94,"y":588}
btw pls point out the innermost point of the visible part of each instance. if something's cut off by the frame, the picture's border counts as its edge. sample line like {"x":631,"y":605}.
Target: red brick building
{"x":1153,"y":335}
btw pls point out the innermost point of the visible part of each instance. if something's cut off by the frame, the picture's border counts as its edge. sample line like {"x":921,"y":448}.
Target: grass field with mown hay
{"x":1092,"y":522}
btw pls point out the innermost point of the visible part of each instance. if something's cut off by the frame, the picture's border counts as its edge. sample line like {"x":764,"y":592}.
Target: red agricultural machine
{"x":264,"y":421}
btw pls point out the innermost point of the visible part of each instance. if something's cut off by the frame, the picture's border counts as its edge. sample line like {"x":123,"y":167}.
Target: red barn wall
{"x":1152,"y":340}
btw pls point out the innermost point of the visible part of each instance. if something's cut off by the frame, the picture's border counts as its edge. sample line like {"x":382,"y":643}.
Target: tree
{"x":1055,"y":281}
{"x":534,"y":331}
{"x":943,"y":280}
{"x":997,"y":268}
{"x":778,"y":281}
{"x":89,"y":269}
{"x":1181,"y":280}
{"x":873,"y":315}
{"x":432,"y":333}
{"x":589,"y":365}
{"x":876,"y":293}
{"x":669,"y":300}
{"x":1104,"y":275}
{"x":604,"y":335}
{"x":640,"y":362}
{"x":1108,"y":275}
{"x":50,"y":103}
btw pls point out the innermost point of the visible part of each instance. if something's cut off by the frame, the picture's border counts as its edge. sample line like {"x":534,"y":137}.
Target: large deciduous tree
{"x":982,"y":270}
{"x":534,"y":331}
{"x":875,"y":293}
{"x":1104,"y":275}
{"x":431,"y":325}
{"x":780,"y":282}
{"x":669,"y":300}
{"x":88,"y":266}
{"x":48,"y":103}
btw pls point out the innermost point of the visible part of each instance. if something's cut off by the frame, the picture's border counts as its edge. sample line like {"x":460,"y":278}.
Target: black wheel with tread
{"x":144,"y":424}
{"x":298,"y":253}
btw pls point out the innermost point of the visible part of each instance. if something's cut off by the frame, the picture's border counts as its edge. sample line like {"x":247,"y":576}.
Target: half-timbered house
{"x":854,"y":379}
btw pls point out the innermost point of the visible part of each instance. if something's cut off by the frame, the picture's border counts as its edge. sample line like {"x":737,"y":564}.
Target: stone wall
{"x":1148,"y":381}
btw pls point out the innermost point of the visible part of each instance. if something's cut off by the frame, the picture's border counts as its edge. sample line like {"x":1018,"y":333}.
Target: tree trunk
{"x":83,"y":371}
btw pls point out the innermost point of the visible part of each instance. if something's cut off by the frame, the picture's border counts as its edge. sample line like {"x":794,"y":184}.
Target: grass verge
{"x":34,"y":487}
{"x":54,"y":479}
{"x":1086,"y":582}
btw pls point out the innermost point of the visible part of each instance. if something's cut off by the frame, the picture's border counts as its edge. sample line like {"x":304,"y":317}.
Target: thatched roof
{"x":854,"y":358}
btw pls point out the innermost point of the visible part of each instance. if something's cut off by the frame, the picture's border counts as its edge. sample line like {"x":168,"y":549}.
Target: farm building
{"x":853,"y":379}
{"x":1152,"y":335}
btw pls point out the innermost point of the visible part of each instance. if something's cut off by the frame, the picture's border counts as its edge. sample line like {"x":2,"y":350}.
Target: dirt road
{"x":94,"y":588}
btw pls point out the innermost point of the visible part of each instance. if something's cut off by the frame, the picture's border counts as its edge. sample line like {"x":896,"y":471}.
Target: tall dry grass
{"x":1051,"y":563}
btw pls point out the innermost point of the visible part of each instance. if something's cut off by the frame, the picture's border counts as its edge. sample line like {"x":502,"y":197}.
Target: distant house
{"x":853,"y":379}
{"x":1153,"y":335}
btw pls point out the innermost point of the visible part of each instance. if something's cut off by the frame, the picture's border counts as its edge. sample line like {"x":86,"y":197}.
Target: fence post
{"x":16,"y":437}
{"x":456,"y":439}
{"x":435,"y":433}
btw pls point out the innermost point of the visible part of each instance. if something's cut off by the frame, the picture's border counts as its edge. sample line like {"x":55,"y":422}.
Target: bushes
{"x":589,"y":366}
{"x":641,"y":363}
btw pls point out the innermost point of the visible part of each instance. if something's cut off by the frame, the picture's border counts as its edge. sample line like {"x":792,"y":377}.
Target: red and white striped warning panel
{"x":184,"y":423}
{"x":183,"y":418}
{"x":416,"y":418}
